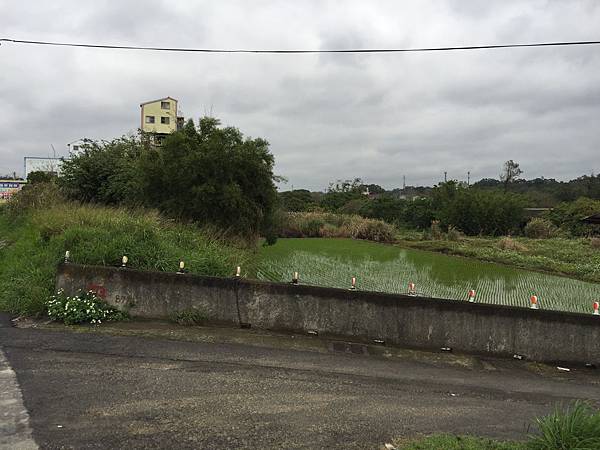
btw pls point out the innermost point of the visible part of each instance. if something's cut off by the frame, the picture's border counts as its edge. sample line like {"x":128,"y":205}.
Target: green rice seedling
{"x":333,"y":263}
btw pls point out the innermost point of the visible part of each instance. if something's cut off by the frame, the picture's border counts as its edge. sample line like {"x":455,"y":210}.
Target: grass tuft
{"x":322,"y":224}
{"x":575,"y":428}
{"x":188,"y":317}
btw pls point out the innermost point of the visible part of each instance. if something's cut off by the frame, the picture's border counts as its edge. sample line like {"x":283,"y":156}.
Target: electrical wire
{"x":354,"y":50}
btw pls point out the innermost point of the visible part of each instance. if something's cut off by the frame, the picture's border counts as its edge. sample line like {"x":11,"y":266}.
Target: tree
{"x":569,"y":215}
{"x":354,"y":185}
{"x":206,"y":174}
{"x":104,"y":172}
{"x":385,"y":208}
{"x":297,"y":200}
{"x":39,"y":176}
{"x":510,"y":172}
{"x":213,"y":175}
{"x":373,"y":188}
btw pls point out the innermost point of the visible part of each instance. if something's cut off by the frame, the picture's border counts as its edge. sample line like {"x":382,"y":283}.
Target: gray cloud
{"x":326,"y":116}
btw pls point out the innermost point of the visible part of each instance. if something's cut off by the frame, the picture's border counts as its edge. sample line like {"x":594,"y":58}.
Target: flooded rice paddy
{"x":385,"y":268}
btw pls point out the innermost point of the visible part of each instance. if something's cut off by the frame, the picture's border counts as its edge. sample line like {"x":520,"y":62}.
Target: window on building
{"x":165,"y":105}
{"x":149,"y":119}
{"x":164,"y":120}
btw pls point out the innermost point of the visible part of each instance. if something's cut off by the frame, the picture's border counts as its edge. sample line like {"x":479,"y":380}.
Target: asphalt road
{"x":89,"y":390}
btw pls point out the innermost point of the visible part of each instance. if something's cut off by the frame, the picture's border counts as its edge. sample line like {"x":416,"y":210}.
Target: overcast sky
{"x":377,"y":116}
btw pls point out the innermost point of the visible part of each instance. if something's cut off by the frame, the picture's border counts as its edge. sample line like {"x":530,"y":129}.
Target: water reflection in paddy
{"x":385,"y":268}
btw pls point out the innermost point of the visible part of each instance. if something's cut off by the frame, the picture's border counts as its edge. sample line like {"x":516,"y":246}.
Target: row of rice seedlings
{"x":554,"y":292}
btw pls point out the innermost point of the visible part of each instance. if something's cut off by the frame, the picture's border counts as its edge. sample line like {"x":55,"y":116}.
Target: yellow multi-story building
{"x":159,"y":117}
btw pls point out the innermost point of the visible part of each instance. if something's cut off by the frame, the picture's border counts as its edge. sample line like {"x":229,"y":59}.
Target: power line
{"x":353,"y":50}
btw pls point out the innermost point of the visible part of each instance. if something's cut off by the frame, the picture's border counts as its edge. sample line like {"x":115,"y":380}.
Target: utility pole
{"x":469,"y":178}
{"x":445,"y":177}
{"x":403,"y":182}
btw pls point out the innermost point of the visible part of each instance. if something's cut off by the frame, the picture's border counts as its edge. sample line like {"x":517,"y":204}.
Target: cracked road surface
{"x":97,"y":390}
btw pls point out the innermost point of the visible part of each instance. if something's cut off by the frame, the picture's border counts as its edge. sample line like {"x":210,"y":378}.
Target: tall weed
{"x":324,"y":224}
{"x":36,"y":241}
{"x":577,"y":427}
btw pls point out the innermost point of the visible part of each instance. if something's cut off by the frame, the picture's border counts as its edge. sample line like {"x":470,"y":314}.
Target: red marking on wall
{"x":98,"y":289}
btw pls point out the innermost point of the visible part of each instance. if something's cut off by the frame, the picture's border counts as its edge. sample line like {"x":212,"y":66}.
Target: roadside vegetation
{"x":85,"y":307}
{"x":205,"y":196}
{"x":35,"y":238}
{"x":576,"y":427}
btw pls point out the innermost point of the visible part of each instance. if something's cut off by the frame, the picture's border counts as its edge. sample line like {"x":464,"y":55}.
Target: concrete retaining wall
{"x":415,"y":322}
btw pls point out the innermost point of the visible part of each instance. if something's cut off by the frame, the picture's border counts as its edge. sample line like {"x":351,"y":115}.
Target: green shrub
{"x":481,"y":212}
{"x":324,"y":224}
{"x":577,"y":427}
{"x":375,"y":230}
{"x":85,"y":307}
{"x":312,"y":227}
{"x":208,"y":174}
{"x":188,"y":317}
{"x":539,"y":228}
{"x":568,"y":216}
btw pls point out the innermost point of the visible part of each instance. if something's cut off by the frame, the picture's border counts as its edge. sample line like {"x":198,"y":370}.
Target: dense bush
{"x":577,"y":427}
{"x":385,"y":208}
{"x":206,"y":174}
{"x":456,"y":206}
{"x":212,"y":175}
{"x":297,"y":200}
{"x":104,"y":172}
{"x":476,"y":212}
{"x":39,"y":176}
{"x":539,"y":228}
{"x":319,"y":224}
{"x":569,"y":216}
{"x":417,"y":213}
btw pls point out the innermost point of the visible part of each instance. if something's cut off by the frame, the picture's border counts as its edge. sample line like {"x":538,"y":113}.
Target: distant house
{"x":159,"y":118}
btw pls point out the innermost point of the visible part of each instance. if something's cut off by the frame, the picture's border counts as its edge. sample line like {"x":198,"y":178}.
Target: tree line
{"x":491,"y":207}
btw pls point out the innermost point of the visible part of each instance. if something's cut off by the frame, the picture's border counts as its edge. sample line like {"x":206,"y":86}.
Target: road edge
{"x":15,"y":431}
